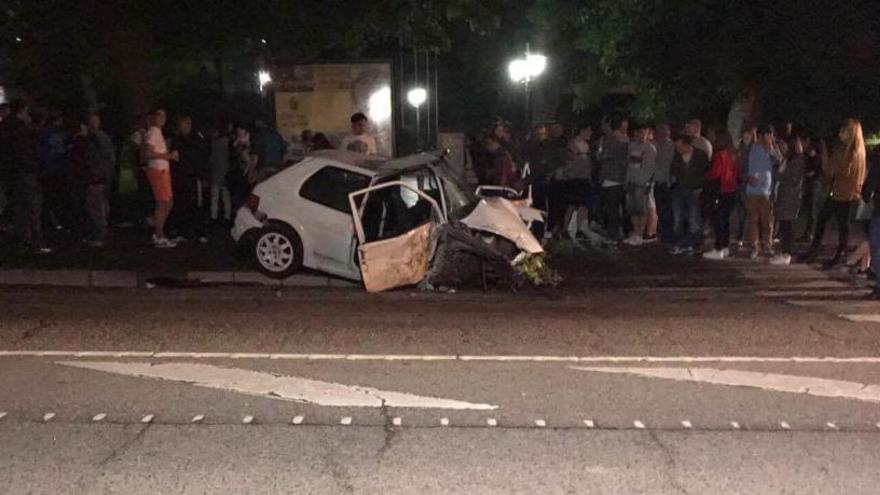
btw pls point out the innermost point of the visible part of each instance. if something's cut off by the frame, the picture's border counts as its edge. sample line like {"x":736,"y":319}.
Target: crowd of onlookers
{"x":619,"y":184}
{"x":61,"y":173}
{"x":642,"y":184}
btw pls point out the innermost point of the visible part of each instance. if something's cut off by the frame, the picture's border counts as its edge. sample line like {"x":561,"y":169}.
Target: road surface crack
{"x":671,"y":464}
{"x":117,"y":452}
{"x":29,"y":332}
{"x":825,"y":335}
{"x":390,"y":432}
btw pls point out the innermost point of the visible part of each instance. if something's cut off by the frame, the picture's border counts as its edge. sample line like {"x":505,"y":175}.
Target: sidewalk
{"x":129,"y":260}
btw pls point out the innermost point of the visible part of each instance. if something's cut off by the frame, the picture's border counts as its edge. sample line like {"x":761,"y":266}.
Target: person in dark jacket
{"x":613,"y":165}
{"x":22,"y":155}
{"x":871,"y":195}
{"x":544,"y":157}
{"x":54,"y":143}
{"x":187,"y":218}
{"x":90,"y":173}
{"x":688,"y":174}
{"x":789,"y":198}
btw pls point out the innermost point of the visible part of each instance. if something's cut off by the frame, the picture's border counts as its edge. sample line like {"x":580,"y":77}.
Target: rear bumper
{"x":244,"y":221}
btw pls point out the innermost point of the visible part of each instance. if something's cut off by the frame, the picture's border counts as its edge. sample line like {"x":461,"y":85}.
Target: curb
{"x":121,"y":279}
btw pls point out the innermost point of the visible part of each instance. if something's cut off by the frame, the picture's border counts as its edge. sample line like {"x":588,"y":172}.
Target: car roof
{"x":378,"y":164}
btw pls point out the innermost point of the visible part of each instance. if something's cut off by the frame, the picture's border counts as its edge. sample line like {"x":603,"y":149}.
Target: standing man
{"x":22,"y":155}
{"x":192,"y":156}
{"x":269,"y":147}
{"x":107,"y":158}
{"x":663,"y":183}
{"x":688,"y":170}
{"x":614,"y":160}
{"x":639,"y":188}
{"x":359,"y":140}
{"x":759,"y":209}
{"x":694,"y":129}
{"x":159,"y":175}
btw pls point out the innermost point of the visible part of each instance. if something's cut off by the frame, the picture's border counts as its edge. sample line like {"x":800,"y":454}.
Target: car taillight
{"x":253,"y":203}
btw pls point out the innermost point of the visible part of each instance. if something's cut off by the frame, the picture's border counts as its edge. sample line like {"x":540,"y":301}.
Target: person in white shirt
{"x":159,"y":174}
{"x":694,"y":129}
{"x":359,"y":140}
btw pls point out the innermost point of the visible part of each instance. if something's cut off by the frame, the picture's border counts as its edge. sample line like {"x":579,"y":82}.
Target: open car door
{"x":393,"y":221}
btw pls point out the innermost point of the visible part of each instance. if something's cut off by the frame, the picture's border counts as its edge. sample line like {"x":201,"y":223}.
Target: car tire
{"x":277,"y":251}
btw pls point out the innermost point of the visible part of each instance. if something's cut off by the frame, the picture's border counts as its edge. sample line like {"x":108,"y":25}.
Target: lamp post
{"x":523,"y":71}
{"x":416,"y":97}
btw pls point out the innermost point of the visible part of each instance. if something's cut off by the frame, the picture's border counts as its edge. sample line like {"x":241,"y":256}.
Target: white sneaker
{"x":714,"y":254}
{"x":163,"y":242}
{"x":726,"y":252}
{"x":633,"y":240}
{"x":781,"y":259}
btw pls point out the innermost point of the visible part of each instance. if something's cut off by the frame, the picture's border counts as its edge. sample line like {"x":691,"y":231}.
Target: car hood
{"x":501,"y":217}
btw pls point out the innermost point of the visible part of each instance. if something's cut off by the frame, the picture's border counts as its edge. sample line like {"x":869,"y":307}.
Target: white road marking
{"x":198,"y":418}
{"x":862,"y":318}
{"x":444,"y":421}
{"x":450,"y":357}
{"x":492,"y":422}
{"x":397,"y":421}
{"x":687,"y":424}
{"x":272,"y":386}
{"x":831,"y":425}
{"x":147,"y":419}
{"x":298,"y":420}
{"x":638,"y":424}
{"x":589,"y":423}
{"x":247,"y":419}
{"x":784,"y":425}
{"x":99,"y":417}
{"x":809,"y":293}
{"x":48,"y":417}
{"x":819,"y":387}
{"x":540,"y":423}
{"x":2,"y":415}
{"x":878,"y":425}
{"x":345,"y":421}
{"x":735,"y":425}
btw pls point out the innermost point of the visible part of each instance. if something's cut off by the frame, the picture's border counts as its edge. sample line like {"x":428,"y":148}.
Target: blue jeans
{"x":688,"y":218}
{"x":874,"y":243}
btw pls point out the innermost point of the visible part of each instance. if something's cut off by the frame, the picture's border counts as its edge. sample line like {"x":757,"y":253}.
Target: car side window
{"x":330,"y":187}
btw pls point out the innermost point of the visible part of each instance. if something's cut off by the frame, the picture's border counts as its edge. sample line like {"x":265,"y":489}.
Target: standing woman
{"x":846,"y":174}
{"x":788,"y":198}
{"x":725,"y":173}
{"x":815,"y":188}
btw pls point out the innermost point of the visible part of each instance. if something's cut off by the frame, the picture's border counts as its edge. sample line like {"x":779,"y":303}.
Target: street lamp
{"x":416,"y":97}
{"x":523,"y":71}
{"x":264,"y":78}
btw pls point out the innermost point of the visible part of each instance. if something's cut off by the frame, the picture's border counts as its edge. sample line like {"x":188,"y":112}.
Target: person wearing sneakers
{"x":688,"y":173}
{"x":726,"y":170}
{"x":639,"y":179}
{"x":789,"y":198}
{"x":759,"y":210}
{"x":159,"y":175}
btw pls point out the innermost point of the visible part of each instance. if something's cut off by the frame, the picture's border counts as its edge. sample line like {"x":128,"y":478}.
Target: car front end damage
{"x":483,"y":249}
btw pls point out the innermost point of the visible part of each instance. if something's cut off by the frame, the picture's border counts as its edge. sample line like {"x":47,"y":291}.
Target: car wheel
{"x":278,"y":251}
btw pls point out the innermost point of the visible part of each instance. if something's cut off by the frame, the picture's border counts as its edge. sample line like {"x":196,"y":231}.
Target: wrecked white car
{"x":389,"y":223}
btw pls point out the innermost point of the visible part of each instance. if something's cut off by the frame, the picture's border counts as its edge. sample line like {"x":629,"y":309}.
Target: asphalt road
{"x":644,"y":374}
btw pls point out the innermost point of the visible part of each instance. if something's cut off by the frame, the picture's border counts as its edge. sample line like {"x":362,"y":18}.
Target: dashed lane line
{"x":535,"y":424}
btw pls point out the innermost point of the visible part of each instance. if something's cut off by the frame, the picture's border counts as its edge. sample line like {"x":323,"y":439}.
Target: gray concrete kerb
{"x":132,"y":279}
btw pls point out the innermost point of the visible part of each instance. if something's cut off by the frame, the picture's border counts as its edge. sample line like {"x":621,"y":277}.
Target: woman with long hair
{"x":845,"y":174}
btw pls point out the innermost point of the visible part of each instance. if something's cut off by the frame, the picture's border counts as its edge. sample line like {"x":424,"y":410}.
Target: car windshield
{"x":460,"y":199}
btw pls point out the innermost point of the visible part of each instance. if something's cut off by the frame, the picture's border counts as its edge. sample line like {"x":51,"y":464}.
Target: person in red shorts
{"x":159,"y":175}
